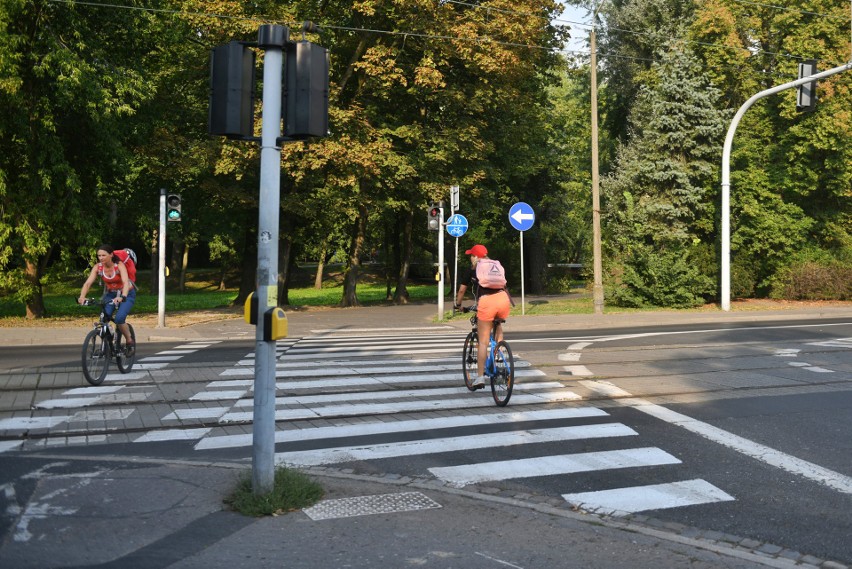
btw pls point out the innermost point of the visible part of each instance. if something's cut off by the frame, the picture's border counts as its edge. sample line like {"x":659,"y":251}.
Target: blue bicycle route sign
{"x":457,"y":225}
{"x":521,"y":216}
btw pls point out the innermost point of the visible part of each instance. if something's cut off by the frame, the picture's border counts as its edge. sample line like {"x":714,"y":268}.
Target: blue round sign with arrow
{"x":521,"y":216}
{"x":457,"y":225}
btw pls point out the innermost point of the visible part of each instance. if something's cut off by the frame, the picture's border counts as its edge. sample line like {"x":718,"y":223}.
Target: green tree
{"x":69,"y":79}
{"x":660,"y":198}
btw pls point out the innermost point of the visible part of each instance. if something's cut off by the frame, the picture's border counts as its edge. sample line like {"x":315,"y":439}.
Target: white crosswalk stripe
{"x":336,"y":377}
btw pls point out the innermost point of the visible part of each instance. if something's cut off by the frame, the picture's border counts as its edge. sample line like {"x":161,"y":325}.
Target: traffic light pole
{"x":726,"y":173}
{"x":441,"y":264}
{"x":272,"y":39}
{"x":161,"y":263}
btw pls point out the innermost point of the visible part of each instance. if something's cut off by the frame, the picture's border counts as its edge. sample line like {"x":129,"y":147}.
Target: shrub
{"x":814,"y":280}
{"x":671,"y":277}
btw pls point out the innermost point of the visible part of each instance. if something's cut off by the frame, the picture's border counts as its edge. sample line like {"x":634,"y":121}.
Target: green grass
{"x":291,"y":490}
{"x":60,"y":299}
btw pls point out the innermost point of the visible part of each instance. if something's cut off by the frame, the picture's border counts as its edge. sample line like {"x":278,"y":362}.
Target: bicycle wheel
{"x":503,"y":381}
{"x":95,"y":357}
{"x":122,"y":360}
{"x":469,"y":355}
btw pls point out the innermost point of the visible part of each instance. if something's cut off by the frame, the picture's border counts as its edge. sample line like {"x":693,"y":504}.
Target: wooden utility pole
{"x":596,"y":198}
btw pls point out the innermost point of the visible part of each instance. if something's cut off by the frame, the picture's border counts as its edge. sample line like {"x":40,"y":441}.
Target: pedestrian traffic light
{"x":434,"y":215}
{"x":806,"y":94}
{"x":231,"y":104}
{"x":173,"y":207}
{"x":306,"y":91}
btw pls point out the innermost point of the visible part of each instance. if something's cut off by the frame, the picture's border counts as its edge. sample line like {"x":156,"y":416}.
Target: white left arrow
{"x":520,"y":216}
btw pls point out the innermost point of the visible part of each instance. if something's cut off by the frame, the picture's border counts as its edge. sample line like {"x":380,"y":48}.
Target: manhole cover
{"x":366,"y":505}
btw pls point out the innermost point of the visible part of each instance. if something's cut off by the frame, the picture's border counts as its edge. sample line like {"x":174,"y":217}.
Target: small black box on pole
{"x":232,"y":72}
{"x":306,"y":91}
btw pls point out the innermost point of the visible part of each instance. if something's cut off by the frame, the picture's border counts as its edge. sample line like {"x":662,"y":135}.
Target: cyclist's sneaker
{"x":479,"y":381}
{"x":129,"y":350}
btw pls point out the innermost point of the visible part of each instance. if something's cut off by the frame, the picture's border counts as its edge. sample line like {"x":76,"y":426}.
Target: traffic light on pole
{"x":434,"y":218}
{"x":173,"y":207}
{"x":806,"y":94}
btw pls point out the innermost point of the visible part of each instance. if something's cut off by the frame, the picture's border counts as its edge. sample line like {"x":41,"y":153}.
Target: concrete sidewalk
{"x":410,"y":318}
{"x":122,"y":514}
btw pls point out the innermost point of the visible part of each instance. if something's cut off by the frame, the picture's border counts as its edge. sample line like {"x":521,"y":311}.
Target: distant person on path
{"x":120,"y":290}
{"x":488,"y":281}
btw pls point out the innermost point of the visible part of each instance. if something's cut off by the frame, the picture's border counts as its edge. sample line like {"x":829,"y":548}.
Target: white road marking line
{"x":202,"y":413}
{"x":450,"y":444}
{"x":101,"y":415}
{"x":27,"y":423}
{"x":787,"y":352}
{"x":569,"y":356}
{"x":380,"y":395}
{"x":760,"y":452}
{"x":94,"y":389}
{"x":622,"y":501}
{"x":466,"y":474}
{"x":837,"y":343}
{"x":172,"y":435}
{"x":148,"y":366}
{"x":420,"y":425}
{"x":453,"y":372}
{"x":69,"y":403}
{"x":157,"y":358}
{"x":10,"y":445}
{"x":579,"y":371}
{"x":468,"y":402}
{"x":217,"y":395}
{"x":579,"y":345}
{"x":176,"y":352}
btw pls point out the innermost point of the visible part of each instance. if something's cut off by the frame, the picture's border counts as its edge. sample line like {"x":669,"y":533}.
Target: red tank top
{"x":111,"y":281}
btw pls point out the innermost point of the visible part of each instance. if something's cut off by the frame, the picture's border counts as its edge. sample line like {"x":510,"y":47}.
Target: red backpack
{"x":128,"y":257}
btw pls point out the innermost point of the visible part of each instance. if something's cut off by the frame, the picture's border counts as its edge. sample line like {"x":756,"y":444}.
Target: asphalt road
{"x":762,"y":413}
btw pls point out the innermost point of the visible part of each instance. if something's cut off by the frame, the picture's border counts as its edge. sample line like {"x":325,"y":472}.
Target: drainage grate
{"x":366,"y":505}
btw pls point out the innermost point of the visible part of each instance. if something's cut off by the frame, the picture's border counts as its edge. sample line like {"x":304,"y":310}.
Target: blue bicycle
{"x":499,"y":365}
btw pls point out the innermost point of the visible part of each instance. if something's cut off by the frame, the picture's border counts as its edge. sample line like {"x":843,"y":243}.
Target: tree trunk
{"x":284,"y":250}
{"x":321,"y":264}
{"x":400,"y":296}
{"x":155,"y":262}
{"x":184,"y":262}
{"x":350,"y":282}
{"x":248,"y":274}
{"x":35,"y":302}
{"x":391,"y":245}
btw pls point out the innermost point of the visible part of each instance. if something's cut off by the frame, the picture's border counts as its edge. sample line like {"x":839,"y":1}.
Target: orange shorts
{"x":493,"y":305}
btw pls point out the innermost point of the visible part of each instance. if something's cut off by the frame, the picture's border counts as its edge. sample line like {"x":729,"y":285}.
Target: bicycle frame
{"x":97,"y":353}
{"x":498,"y":365}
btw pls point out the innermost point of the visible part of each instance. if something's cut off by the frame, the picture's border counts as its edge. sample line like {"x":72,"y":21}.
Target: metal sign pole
{"x":523,"y":307}
{"x":271,"y":38}
{"x":161,"y":263}
{"x":441,"y":264}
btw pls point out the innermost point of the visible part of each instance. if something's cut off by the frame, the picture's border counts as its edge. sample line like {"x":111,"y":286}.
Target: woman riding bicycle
{"x":492,"y":302}
{"x":120,"y":290}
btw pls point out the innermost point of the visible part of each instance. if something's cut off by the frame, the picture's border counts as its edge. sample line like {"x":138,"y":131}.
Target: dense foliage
{"x":102,"y":106}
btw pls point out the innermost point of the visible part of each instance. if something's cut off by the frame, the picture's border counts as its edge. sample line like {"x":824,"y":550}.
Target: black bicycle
{"x":104,"y":342}
{"x":499,"y":365}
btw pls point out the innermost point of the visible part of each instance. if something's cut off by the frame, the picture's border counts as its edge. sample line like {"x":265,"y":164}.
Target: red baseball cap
{"x":477,"y":250}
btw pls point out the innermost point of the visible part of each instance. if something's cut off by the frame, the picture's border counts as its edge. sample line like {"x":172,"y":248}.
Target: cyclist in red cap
{"x":488,"y":280}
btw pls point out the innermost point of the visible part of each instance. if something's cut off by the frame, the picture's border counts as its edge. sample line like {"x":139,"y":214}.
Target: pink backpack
{"x":490,"y":274}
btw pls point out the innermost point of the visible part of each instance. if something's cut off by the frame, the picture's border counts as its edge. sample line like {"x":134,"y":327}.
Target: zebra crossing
{"x":375,"y":378}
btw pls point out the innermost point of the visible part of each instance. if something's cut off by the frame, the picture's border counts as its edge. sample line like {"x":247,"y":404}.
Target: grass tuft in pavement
{"x":291,"y":491}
